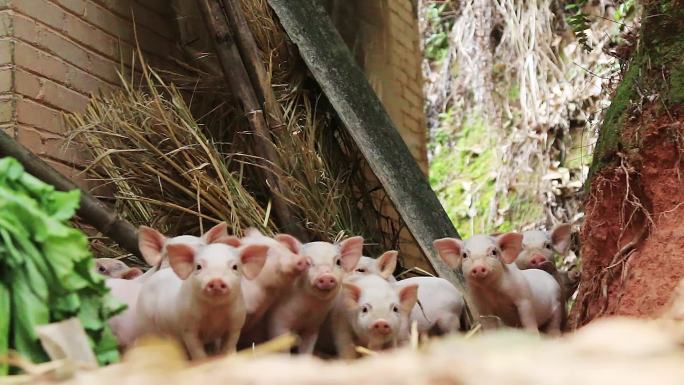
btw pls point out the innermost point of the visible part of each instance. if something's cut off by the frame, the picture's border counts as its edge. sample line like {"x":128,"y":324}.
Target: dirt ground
{"x":633,"y":234}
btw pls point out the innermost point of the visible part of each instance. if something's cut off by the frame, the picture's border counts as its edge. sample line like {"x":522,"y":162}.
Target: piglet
{"x":153,"y":244}
{"x":528,"y":298}
{"x":440,"y":304}
{"x":282,"y":267}
{"x":303,"y":308}
{"x":125,"y":325}
{"x":539,"y":247}
{"x":114,"y":268}
{"x":199,"y":300}
{"x":382,"y":266}
{"x":372,"y":313}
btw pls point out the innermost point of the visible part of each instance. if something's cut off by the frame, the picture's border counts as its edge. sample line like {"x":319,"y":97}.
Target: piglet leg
{"x":344,"y":343}
{"x":527,"y":317}
{"x":307,"y":342}
{"x":194,"y":345}
{"x":229,"y":342}
{"x":554,"y":327}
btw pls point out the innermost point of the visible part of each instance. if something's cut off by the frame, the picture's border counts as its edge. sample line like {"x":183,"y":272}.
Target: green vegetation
{"x":46,"y":269}
{"x":462,"y":171}
{"x":437,"y":43}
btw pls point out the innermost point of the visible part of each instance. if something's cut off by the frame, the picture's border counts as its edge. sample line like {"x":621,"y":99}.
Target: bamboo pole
{"x":239,"y":82}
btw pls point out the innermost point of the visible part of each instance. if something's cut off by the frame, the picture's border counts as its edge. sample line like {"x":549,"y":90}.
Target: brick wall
{"x":55,"y":53}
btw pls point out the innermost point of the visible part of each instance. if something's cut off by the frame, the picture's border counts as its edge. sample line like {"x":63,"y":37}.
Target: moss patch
{"x":462,"y":171}
{"x":660,"y":54}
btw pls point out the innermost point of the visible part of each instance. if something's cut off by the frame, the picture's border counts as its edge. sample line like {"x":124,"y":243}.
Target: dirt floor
{"x":633,"y":234}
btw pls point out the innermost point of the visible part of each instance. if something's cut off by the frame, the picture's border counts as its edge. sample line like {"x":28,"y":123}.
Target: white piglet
{"x":115,"y":268}
{"x":303,"y":309}
{"x":280,"y":271}
{"x":153,"y":244}
{"x":199,"y":300}
{"x":440,"y":305}
{"x":528,"y":298}
{"x":372,"y":313}
{"x":382,"y":266}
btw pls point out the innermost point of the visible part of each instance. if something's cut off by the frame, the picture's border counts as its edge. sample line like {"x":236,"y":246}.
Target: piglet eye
{"x":235,"y":267}
{"x":395,"y":309}
{"x":101,"y":269}
{"x":338,"y":262}
{"x":361,"y":270}
{"x":464,"y":255}
{"x":495,"y":252}
{"x":364,"y":309}
{"x":548,"y":246}
{"x":198,"y":267}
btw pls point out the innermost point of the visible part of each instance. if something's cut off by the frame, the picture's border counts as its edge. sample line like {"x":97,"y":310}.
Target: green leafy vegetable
{"x":46,"y":269}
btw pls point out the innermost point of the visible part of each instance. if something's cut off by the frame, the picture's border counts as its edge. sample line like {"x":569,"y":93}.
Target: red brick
{"x":8,"y":129}
{"x":412,"y":98}
{"x":31,"y":139}
{"x":7,"y":105}
{"x":49,"y":92}
{"x":40,"y":116}
{"x":6,"y":52}
{"x":6,"y":82}
{"x":58,"y":19}
{"x":54,"y":68}
{"x":70,"y":173}
{"x":157,"y":23}
{"x":6,"y":23}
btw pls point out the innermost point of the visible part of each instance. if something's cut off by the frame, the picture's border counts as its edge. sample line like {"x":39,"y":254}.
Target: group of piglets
{"x":217,"y":292}
{"x":512,"y":278}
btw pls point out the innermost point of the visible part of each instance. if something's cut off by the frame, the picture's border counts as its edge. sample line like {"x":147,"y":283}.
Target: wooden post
{"x":239,"y":82}
{"x":357,"y":105}
{"x":91,"y":209}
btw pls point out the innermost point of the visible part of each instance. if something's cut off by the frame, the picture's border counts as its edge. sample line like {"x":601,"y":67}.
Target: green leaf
{"x":4,"y":324}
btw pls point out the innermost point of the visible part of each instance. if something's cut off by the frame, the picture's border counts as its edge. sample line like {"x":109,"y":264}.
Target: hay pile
{"x":175,"y":150}
{"x":610,"y":351}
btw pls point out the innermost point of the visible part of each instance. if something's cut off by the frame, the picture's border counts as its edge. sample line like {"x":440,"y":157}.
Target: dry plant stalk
{"x":167,"y":170}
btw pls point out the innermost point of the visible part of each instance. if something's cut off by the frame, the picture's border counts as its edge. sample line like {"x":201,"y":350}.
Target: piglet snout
{"x":537,"y":260}
{"x":326,"y":282}
{"x":479,"y":272}
{"x":382,"y":327}
{"x":216,"y":287}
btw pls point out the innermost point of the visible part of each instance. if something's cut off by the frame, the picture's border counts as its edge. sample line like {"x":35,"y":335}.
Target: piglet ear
{"x":181,"y":258}
{"x":560,"y":237}
{"x":352,"y":294}
{"x":151,"y":243}
{"x":408,"y":295}
{"x":387,"y":262}
{"x":350,"y":252}
{"x":230,"y":240}
{"x":450,"y":250}
{"x":252,"y":232}
{"x":290,"y":242}
{"x":253,"y":258}
{"x":510,"y":245}
{"x":216,"y":232}
{"x":132,"y":273}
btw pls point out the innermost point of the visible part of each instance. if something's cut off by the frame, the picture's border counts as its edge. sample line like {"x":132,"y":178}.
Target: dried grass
{"x":167,"y":170}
